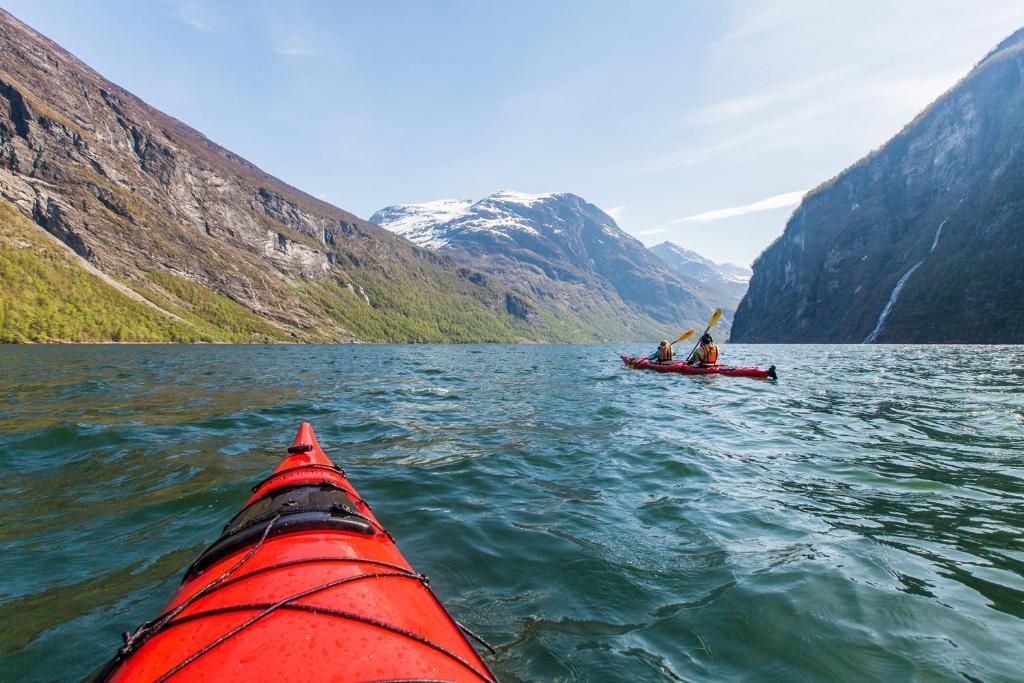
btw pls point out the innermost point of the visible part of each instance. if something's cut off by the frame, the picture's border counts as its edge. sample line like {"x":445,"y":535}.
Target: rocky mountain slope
{"x":921,"y":241}
{"x":216,"y":249}
{"x":725,"y":282}
{"x":566,"y":254}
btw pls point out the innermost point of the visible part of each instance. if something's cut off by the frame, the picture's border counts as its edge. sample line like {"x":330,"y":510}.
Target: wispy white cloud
{"x":779,"y":201}
{"x":752,"y":103}
{"x":764,"y":134}
{"x":797,"y":114}
{"x":294,"y":46}
{"x":294,"y":33}
{"x":201,"y":16}
{"x":616,"y":212}
{"x":798,"y":103}
{"x":647,"y":232}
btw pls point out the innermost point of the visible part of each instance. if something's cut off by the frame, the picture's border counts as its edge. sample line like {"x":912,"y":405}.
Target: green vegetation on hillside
{"x":406,"y":309}
{"x":45,"y":296}
{"x":214,"y":314}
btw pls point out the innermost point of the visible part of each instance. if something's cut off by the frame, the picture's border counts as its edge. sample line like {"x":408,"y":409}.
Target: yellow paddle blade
{"x":714,"y":317}
{"x":684,"y":336}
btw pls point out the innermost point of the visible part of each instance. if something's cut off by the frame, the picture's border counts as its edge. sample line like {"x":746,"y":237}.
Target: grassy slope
{"x":406,"y":308}
{"x":46,"y":296}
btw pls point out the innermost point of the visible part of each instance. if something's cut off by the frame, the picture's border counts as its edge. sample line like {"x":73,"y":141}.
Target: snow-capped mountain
{"x":416,"y":222}
{"x":503,"y":215}
{"x":561,"y":251}
{"x":727,"y":278}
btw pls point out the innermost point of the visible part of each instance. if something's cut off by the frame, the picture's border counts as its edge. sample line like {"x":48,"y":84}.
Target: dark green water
{"x":861,"y":519}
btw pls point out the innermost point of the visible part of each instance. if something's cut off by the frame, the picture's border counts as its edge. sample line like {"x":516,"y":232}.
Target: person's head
{"x":663,"y":344}
{"x":706,"y":339}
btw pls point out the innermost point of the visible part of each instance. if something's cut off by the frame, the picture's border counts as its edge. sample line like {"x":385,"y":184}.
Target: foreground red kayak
{"x":304,"y":584}
{"x":684,"y":368}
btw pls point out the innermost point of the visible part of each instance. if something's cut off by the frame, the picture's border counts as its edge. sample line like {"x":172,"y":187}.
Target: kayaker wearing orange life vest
{"x":706,"y":352}
{"x":663,"y":354}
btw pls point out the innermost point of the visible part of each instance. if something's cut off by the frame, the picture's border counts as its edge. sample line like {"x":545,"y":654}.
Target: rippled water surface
{"x":860,"y":519}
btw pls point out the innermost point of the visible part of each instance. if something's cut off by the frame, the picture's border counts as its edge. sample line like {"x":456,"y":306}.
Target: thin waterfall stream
{"x":887,"y":309}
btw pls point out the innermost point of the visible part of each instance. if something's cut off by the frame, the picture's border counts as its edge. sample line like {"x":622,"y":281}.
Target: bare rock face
{"x":135,"y":191}
{"x":921,"y":241}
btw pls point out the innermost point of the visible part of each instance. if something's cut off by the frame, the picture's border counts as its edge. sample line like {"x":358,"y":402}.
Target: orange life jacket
{"x":710,"y":354}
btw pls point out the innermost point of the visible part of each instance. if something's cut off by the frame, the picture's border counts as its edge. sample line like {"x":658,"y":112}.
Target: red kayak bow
{"x":304,"y":584}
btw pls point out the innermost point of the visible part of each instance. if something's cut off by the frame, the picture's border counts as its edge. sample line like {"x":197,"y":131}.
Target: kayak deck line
{"x":289,"y":603}
{"x":269,"y":567}
{"x":275,"y":475}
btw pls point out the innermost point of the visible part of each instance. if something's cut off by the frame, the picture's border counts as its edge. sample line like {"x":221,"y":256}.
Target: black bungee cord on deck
{"x":134,"y":640}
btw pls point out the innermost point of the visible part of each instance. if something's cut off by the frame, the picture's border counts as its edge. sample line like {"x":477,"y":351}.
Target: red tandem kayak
{"x":304,"y":584}
{"x":685,"y":368}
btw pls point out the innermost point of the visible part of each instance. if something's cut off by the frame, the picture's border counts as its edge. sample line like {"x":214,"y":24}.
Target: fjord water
{"x":860,"y":519}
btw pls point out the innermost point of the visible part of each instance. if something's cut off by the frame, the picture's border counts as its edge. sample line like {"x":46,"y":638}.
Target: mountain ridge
{"x":727,"y":282}
{"x":562,"y":250}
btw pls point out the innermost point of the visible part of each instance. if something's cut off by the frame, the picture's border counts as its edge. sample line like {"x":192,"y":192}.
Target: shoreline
{"x":470,"y":343}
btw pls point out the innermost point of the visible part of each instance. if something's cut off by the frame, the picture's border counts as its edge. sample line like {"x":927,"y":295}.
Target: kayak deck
{"x":684,"y":368}
{"x":303,"y":584}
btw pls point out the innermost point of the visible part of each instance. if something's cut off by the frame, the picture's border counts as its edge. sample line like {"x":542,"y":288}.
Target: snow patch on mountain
{"x":505,"y":215}
{"x":513,"y":197}
{"x":700,"y":267}
{"x":416,"y":222}
{"x":735,"y":273}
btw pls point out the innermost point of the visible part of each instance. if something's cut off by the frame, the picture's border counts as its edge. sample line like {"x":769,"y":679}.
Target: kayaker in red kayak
{"x":705,"y":353}
{"x":663,"y":354}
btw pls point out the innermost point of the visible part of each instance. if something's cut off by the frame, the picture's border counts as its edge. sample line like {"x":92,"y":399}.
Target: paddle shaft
{"x":711,"y":323}
{"x":696,"y":345}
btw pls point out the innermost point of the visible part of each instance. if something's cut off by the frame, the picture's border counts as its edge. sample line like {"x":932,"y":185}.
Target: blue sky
{"x":699,"y":122}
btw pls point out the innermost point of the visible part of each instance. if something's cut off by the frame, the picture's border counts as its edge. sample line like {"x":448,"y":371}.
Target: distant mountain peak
{"x":681,"y":252}
{"x":724,"y":283}
{"x":414,"y":221}
{"x":560,"y":248}
{"x":502,"y":215}
{"x":688,"y":262}
{"x":513,"y":197}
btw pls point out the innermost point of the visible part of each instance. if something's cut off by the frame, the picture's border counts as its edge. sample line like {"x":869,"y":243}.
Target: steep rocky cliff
{"x":561,"y":251}
{"x":211,"y":241}
{"x":921,"y":241}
